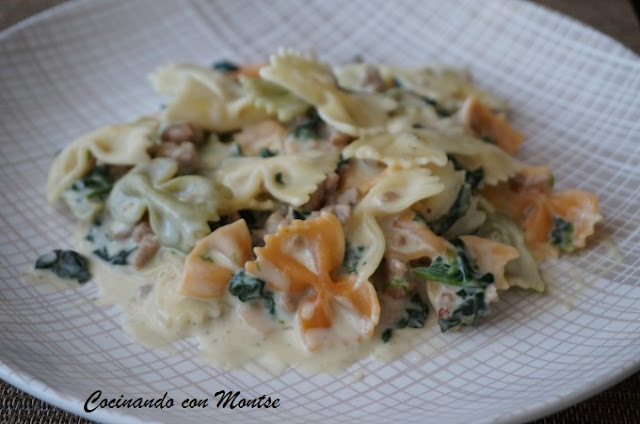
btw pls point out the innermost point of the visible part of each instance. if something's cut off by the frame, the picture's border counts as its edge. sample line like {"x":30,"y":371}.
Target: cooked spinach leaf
{"x":214,"y":225}
{"x":441,"y":111}
{"x":456,"y":267}
{"x":225,"y":66}
{"x":279,"y":178}
{"x":562,"y":234}
{"x":473,"y":178}
{"x":97,"y":183}
{"x":65,"y":264}
{"x":309,"y":128}
{"x":296,"y":214}
{"x":458,"y":210}
{"x":489,"y":139}
{"x":352,"y":255}
{"x":470,"y":309}
{"x":248,"y":288}
{"x":225,"y":137}
{"x":118,"y":258}
{"x":265,"y":152}
{"x":342,"y":161}
{"x":414,"y":316}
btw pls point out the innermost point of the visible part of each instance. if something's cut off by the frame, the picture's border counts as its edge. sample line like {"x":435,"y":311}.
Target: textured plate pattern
{"x":575,"y":93}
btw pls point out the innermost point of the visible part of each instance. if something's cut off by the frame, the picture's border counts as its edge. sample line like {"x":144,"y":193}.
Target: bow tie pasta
{"x":289,"y":210}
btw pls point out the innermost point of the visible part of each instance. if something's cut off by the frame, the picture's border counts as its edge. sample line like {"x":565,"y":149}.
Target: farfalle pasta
{"x":293,"y":210}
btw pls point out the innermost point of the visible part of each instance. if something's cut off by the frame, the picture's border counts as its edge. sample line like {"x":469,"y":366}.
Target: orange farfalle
{"x":491,"y":256}
{"x":529,"y":198}
{"x":407,"y":239}
{"x":210,"y":265}
{"x":494,"y":126}
{"x":251,"y":70}
{"x":299,"y":261}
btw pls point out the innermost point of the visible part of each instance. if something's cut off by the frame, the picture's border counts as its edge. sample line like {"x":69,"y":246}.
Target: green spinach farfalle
{"x":178,"y":208}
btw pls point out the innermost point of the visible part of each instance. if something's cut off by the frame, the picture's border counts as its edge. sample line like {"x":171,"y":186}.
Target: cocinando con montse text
{"x":221,"y":399}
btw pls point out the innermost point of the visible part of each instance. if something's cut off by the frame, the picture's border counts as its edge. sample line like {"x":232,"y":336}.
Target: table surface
{"x":620,"y":404}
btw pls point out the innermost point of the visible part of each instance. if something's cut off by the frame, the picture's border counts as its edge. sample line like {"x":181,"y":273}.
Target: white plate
{"x":574,"y":92}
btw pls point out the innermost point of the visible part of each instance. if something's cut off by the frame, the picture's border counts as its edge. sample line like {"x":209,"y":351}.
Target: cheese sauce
{"x":229,"y":334}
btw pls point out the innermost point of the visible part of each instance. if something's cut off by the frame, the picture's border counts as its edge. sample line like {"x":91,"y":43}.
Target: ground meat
{"x":184,"y":153}
{"x":140,"y":230}
{"x":119,"y":230}
{"x":275,"y":220}
{"x":340,"y":139}
{"x":289,"y":303}
{"x":117,"y":171}
{"x":319,"y":197}
{"x":395,"y":268}
{"x":183,"y":131}
{"x":348,"y":197}
{"x":341,"y":211}
{"x":371,"y":79}
{"x":147,"y":244}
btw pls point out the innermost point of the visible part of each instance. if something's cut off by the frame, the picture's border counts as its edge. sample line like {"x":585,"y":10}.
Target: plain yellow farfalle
{"x":288,"y":178}
{"x":305,"y":255}
{"x":314,"y":82}
{"x":123,"y":144}
{"x":446,"y":86}
{"x":403,"y":150}
{"x":473,"y":153}
{"x":204,"y":97}
{"x":273,"y":99}
{"x":393,"y":192}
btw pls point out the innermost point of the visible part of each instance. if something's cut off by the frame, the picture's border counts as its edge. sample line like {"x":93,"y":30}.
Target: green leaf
{"x":562,"y":234}
{"x":386,"y":335}
{"x":414,"y":316}
{"x":308,"y":129}
{"x":352,"y":256}
{"x":224,"y":66}
{"x":97,"y":183}
{"x":473,"y":178}
{"x":296,"y":214}
{"x":489,"y":139}
{"x":457,"y":268}
{"x":474,"y":306}
{"x":458,"y":210}
{"x":441,"y":111}
{"x":118,"y":258}
{"x":66,"y":264}
{"x":251,"y":289}
{"x":265,"y":152}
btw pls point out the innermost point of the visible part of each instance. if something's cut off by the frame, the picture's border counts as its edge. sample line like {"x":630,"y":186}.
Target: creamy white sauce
{"x":229,"y":333}
{"x":47,"y":281}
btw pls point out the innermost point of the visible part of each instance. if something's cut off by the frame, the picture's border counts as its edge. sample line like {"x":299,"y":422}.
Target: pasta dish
{"x":293,"y":209}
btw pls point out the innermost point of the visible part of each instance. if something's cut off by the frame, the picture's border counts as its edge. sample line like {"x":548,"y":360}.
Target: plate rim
{"x":40,"y":389}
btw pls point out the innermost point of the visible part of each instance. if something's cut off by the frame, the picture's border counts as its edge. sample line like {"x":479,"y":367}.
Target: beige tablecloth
{"x":620,"y":404}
